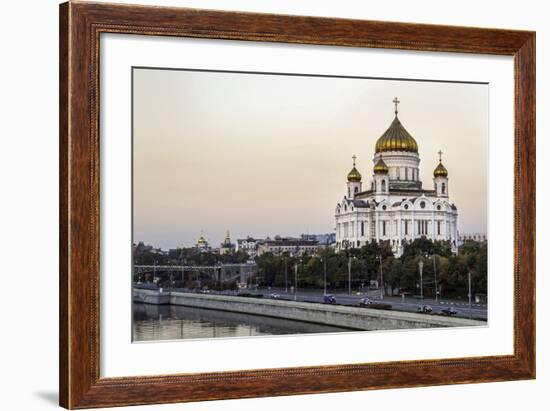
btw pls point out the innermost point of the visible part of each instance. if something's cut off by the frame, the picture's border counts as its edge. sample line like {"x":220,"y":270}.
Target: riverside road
{"x":411,"y":304}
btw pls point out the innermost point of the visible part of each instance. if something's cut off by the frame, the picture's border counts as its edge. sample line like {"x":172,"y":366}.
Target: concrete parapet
{"x":357,"y":318}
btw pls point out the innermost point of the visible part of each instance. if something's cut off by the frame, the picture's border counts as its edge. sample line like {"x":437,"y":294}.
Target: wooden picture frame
{"x":80,"y":27}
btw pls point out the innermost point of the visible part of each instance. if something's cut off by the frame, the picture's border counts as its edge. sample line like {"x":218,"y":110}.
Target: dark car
{"x":329,"y":299}
{"x":425,"y":309}
{"x":367,"y":302}
{"x":449,"y":311}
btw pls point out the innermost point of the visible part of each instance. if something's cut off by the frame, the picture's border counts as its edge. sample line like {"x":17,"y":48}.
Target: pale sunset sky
{"x":262,"y":155}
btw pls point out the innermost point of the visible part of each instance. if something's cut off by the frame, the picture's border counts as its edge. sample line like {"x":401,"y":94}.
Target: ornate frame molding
{"x":80,"y":27}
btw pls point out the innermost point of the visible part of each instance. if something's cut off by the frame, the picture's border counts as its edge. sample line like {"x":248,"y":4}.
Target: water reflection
{"x":170,"y":322}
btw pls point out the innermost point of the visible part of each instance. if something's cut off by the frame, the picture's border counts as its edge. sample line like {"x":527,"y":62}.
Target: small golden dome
{"x":396,"y":138}
{"x":201,"y":240}
{"x":381,"y":167}
{"x":440,"y":171}
{"x":354,"y":176}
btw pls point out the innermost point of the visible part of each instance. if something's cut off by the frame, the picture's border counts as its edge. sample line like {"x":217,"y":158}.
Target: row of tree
{"x":374,"y":262}
{"x":188,"y":256}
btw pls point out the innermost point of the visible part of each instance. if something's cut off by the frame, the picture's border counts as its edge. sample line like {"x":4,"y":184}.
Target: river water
{"x":170,"y":322}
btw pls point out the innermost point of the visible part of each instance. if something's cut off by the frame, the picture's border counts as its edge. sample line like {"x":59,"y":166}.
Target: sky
{"x":265,"y":154}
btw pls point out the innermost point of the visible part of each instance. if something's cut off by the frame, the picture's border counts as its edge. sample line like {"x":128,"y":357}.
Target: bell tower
{"x":441,"y":179}
{"x":354,"y":181}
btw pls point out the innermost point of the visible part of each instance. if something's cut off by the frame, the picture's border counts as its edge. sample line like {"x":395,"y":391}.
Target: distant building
{"x":248,"y":245}
{"x":323,"y":239}
{"x":293,"y":246}
{"x":202,"y":245}
{"x":227,"y":247}
{"x":477,"y":237}
{"x":142,"y":248}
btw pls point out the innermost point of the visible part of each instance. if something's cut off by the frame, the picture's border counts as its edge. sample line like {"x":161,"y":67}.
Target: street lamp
{"x":324,"y":260}
{"x":381,"y":279}
{"x":470,"y":291}
{"x":182,"y":268}
{"x":349,"y":274}
{"x":295,"y":281}
{"x":435,"y":279}
{"x":286,"y":276}
{"x":420,"y":267}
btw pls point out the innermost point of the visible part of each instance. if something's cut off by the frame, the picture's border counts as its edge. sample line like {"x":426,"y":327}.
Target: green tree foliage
{"x":399,"y":274}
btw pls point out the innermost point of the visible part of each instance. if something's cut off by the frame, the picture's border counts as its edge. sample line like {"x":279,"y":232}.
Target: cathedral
{"x":395,"y":208}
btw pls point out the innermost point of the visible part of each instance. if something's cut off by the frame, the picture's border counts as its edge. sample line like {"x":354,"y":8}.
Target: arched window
{"x":383,"y":186}
{"x":443,"y":188}
{"x":374,"y":185}
{"x":356,"y":189}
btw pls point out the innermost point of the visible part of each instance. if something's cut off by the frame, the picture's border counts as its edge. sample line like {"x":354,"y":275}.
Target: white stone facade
{"x":294,"y":247}
{"x":249,"y":245}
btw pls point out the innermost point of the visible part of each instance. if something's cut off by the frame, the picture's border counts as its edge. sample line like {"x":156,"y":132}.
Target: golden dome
{"x":396,"y":138}
{"x":440,"y":171}
{"x":380,"y":167}
{"x":354,"y":176}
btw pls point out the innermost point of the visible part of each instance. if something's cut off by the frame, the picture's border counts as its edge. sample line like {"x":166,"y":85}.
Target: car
{"x":329,"y":299}
{"x":449,"y":311}
{"x":425,"y":309}
{"x":274,"y":296}
{"x":366,"y":302}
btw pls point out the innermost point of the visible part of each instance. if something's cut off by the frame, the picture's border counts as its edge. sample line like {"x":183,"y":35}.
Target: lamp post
{"x":470,"y":292}
{"x":182,"y":268}
{"x":420,"y":267}
{"x":286,"y":276}
{"x":435,"y":280}
{"x":381,"y":279}
{"x":349,"y":273}
{"x":295,"y":281}
{"x":324,"y":261}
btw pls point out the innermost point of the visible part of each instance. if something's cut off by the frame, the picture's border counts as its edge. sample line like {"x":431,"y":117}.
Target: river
{"x":171,"y":322}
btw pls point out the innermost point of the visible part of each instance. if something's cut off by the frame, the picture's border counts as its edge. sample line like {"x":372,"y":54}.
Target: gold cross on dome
{"x":354,"y":158}
{"x":396,"y":102}
{"x":440,"y":154}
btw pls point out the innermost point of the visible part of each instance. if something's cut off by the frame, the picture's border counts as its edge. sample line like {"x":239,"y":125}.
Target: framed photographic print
{"x":259,"y":205}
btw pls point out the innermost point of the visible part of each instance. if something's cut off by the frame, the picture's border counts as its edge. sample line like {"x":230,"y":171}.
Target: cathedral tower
{"x":441,"y":179}
{"x":380,"y":179}
{"x":400,"y":151}
{"x":354,"y":181}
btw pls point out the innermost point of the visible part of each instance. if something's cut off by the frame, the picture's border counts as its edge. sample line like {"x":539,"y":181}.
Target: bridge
{"x":221,"y":272}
